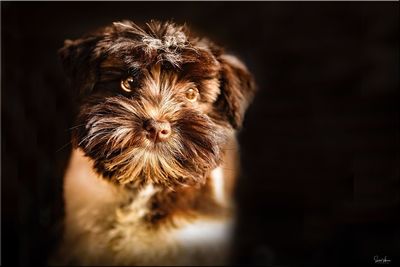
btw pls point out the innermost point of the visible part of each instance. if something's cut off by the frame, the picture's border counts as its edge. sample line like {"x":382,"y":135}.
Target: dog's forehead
{"x":192,"y":65}
{"x":130,"y":46}
{"x":146,"y":56}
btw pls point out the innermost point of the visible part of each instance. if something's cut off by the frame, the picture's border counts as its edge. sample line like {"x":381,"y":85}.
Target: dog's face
{"x":157,"y":105}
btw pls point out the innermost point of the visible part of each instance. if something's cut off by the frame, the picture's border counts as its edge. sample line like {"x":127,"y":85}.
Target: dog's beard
{"x":112,"y":135}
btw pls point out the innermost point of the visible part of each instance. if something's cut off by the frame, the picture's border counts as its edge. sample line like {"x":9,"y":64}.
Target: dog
{"x":155,"y":155}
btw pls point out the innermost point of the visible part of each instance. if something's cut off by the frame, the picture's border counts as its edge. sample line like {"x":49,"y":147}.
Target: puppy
{"x":154,"y":156}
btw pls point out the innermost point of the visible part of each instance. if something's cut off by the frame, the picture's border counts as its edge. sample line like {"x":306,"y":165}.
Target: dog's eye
{"x":127,"y":84}
{"x":192,"y":94}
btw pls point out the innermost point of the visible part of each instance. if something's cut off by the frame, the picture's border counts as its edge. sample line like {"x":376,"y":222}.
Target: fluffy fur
{"x":133,"y":200}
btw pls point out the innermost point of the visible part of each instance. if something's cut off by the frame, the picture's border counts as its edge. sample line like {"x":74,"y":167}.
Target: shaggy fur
{"x":135,"y":195}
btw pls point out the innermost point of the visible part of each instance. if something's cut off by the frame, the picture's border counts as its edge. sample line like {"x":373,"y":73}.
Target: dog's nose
{"x":157,"y":130}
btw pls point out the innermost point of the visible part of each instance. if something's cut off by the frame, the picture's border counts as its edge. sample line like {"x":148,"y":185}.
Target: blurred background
{"x":320,"y":144}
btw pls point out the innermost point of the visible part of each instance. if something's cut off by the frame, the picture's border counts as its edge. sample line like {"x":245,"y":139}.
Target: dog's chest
{"x":185,"y":242}
{"x":198,"y":242}
{"x":100,"y":231}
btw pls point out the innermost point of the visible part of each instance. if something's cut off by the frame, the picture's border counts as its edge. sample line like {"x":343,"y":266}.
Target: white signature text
{"x":380,"y":260}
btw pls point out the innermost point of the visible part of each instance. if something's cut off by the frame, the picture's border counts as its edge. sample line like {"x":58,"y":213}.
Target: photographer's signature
{"x":380,"y":260}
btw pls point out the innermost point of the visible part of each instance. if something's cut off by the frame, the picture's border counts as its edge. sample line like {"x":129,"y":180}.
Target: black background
{"x":320,"y":144}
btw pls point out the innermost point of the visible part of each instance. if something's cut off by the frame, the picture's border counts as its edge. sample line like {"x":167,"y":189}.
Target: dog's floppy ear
{"x":78,"y":62}
{"x":237,"y":89}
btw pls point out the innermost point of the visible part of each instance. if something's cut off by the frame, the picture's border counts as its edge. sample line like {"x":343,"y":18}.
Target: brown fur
{"x":163,"y":61}
{"x":184,"y":202}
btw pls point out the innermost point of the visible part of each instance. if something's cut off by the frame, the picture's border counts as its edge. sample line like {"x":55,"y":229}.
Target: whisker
{"x":76,"y":126}
{"x":64,"y":146}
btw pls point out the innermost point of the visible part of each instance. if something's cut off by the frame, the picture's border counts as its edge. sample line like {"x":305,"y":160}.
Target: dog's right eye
{"x":127,"y":84}
{"x":192,"y":94}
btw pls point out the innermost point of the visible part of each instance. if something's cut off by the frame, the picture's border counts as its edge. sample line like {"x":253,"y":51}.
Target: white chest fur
{"x":204,"y":231}
{"x":206,"y":241}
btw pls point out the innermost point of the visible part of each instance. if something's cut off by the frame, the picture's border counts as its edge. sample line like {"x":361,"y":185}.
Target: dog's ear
{"x":79,"y":63}
{"x":237,"y":89}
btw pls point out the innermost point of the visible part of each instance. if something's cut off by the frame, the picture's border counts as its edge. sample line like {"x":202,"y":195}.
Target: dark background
{"x":320,"y":144}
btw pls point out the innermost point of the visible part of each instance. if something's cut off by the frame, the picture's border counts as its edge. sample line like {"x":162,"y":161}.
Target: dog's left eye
{"x":127,"y":84}
{"x":192,"y":94}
